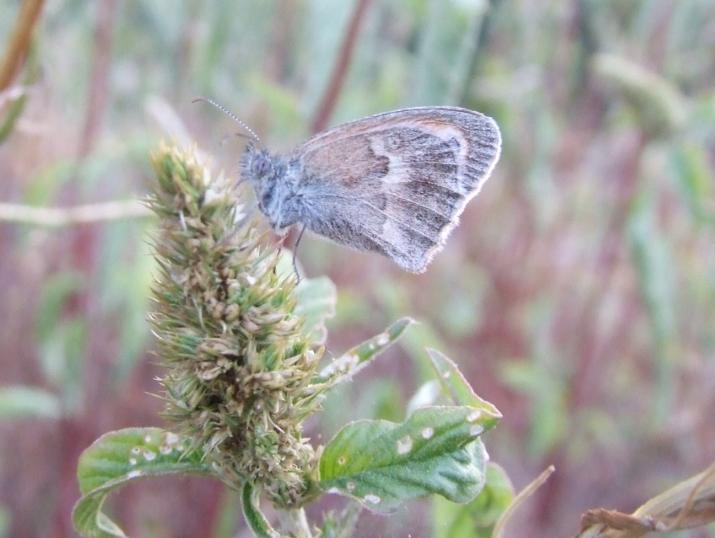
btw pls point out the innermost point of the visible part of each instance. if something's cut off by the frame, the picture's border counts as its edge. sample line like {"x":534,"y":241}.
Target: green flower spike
{"x":238,"y":362}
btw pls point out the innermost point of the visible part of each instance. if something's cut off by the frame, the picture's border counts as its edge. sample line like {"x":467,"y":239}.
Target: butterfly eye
{"x":266,"y":199}
{"x":260,"y":166}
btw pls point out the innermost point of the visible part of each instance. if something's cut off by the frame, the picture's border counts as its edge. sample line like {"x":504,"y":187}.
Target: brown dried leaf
{"x":689,"y":504}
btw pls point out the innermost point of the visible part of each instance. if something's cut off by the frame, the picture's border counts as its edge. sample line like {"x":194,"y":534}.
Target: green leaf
{"x":316,"y":299}
{"x":476,"y":519}
{"x":316,"y":303}
{"x":457,"y":387}
{"x":20,"y":402}
{"x":497,"y":494}
{"x":255,"y":519}
{"x":119,"y":457}
{"x":355,"y":359}
{"x":383,"y":464}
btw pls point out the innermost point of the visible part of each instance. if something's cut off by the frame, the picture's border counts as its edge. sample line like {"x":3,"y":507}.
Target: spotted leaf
{"x":119,"y":457}
{"x":382,"y":464}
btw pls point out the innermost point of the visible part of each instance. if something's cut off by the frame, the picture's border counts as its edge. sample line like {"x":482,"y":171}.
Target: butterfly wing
{"x":396,"y":183}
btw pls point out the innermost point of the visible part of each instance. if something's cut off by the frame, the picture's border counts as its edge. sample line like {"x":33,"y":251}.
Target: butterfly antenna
{"x":240,"y":135}
{"x":231,"y":115}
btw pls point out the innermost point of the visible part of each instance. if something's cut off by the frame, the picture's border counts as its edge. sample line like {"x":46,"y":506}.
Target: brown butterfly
{"x":393,"y":183}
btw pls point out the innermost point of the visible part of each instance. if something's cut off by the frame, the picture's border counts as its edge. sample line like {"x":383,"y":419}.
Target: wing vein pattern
{"x":396,"y":183}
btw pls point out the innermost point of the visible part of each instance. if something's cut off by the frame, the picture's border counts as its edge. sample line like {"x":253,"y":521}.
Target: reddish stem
{"x":330,"y":98}
{"x":98,"y":96}
{"x":19,"y":43}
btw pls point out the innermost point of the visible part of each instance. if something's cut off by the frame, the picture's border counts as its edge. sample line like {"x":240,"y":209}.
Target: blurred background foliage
{"x":578,"y":294}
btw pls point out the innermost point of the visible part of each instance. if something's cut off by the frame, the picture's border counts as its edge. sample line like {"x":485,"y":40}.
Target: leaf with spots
{"x":382,"y":464}
{"x":355,"y":359}
{"x":119,"y":457}
{"x":456,"y":387}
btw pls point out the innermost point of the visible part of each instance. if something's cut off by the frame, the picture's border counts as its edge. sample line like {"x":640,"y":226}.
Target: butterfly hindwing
{"x":396,"y":183}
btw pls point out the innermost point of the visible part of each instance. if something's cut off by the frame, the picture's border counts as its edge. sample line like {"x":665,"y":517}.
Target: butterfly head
{"x":264,"y":172}
{"x":257,"y":165}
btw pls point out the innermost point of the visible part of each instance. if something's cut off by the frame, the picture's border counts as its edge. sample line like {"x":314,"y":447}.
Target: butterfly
{"x":394,"y":183}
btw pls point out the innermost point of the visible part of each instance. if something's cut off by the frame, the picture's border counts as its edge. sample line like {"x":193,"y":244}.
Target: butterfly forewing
{"x":396,"y":183}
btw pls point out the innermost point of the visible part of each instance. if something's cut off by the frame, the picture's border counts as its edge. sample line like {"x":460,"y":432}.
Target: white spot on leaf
{"x":474,"y":415}
{"x":404,"y":445}
{"x":132,"y":461}
{"x":350,"y":486}
{"x":427,"y":433}
{"x":343,"y":365}
{"x":134,"y":474}
{"x":382,"y":339}
{"x":476,"y":430}
{"x":372,"y":499}
{"x":149,"y":455}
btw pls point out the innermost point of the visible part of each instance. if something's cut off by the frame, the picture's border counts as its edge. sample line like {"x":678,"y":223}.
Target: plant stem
{"x":66,"y":216}
{"x":340,"y":70}
{"x":296,"y":522}
{"x":20,"y":41}
{"x":99,"y":82}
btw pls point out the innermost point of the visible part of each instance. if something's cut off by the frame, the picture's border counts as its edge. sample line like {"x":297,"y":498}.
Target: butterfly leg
{"x":295,"y":252}
{"x":281,"y":244}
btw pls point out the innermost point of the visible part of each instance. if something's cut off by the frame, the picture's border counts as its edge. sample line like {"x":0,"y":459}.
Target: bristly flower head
{"x":239,"y":364}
